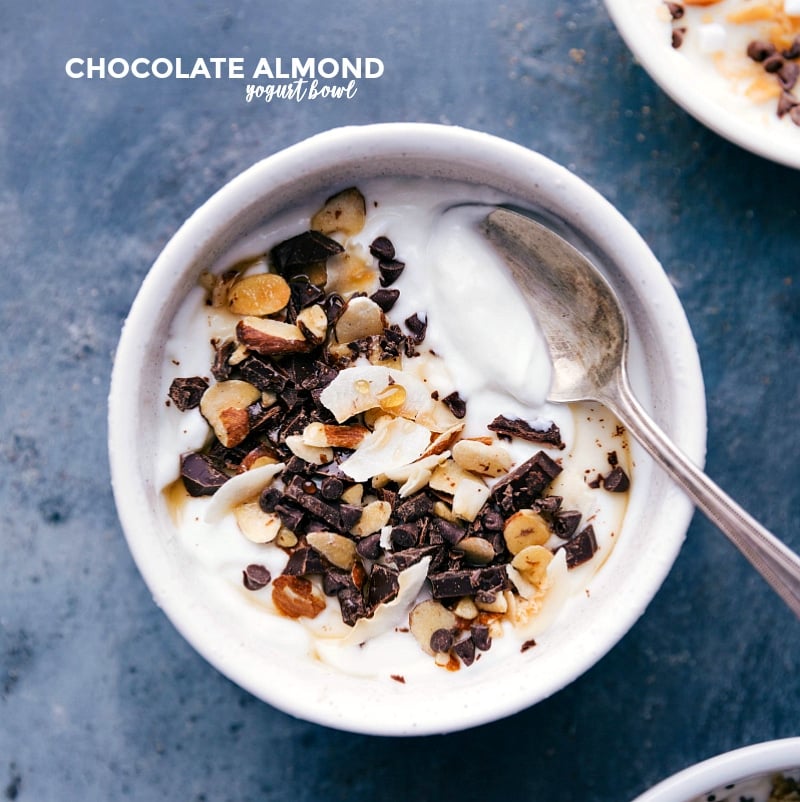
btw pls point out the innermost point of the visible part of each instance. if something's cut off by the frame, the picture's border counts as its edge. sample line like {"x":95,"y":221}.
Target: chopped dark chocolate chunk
{"x":565,"y":523}
{"x":220,"y":368}
{"x":616,"y":480}
{"x":201,"y":477}
{"x":417,"y":328}
{"x":385,"y":298}
{"x":304,"y":293}
{"x":404,"y":536}
{"x":492,"y":520}
{"x":382,"y":248}
{"x":291,"y":517}
{"x":349,"y":516}
{"x":456,"y":404}
{"x":263,"y":373}
{"x":389,"y":271}
{"x":334,"y":580}
{"x":450,"y":584}
{"x":303,"y":250}
{"x":480,"y":637}
{"x":408,"y":557}
{"x":331,"y":488}
{"x":465,"y":651}
{"x":549,"y":505}
{"x":529,"y":644}
{"x":352,"y":605}
{"x":369,"y":547}
{"x":313,"y":504}
{"x":255,"y":577}
{"x":448,"y":532}
{"x":520,"y":488}
{"x":383,"y":585}
{"x":413,"y":508}
{"x":441,"y":640}
{"x":581,"y":548}
{"x":303,"y":561}
{"x":525,"y":431}
{"x":186,"y":393}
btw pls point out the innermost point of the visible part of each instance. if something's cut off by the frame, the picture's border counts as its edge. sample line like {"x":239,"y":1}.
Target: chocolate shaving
{"x":186,"y":393}
{"x":506,"y":427}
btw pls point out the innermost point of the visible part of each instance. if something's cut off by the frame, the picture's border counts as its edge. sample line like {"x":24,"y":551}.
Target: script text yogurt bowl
{"x":269,"y":654}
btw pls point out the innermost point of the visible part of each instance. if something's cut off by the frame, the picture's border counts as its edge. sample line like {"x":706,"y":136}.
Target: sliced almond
{"x":334,"y":436}
{"x":271,"y":337}
{"x":426,"y":618}
{"x":313,"y":323}
{"x":374,"y":516}
{"x":466,"y":608}
{"x":499,"y":605}
{"x":224,"y":406}
{"x":488,"y":460}
{"x":345,"y":212}
{"x":260,"y":294}
{"x":446,"y":477}
{"x":525,"y":528}
{"x":285,"y":538}
{"x":353,"y":495}
{"x":476,"y":550}
{"x":337,"y":549}
{"x":532,"y":563}
{"x":316,"y":455}
{"x":255,"y":524}
{"x":297,"y":597}
{"x":444,"y":441}
{"x":361,"y":317}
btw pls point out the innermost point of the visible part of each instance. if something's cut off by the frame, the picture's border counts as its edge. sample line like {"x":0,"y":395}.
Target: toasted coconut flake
{"x":470,"y":496}
{"x":393,"y":613}
{"x":364,"y":387}
{"x":238,"y":489}
{"x":412,"y":477}
{"x":316,"y":455}
{"x":396,"y":442}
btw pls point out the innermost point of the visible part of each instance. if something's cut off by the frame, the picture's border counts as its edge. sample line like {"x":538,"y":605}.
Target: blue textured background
{"x":100,"y":698}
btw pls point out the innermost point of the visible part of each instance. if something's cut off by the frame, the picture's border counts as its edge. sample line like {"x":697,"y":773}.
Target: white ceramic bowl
{"x":713,"y":777}
{"x":665,"y":372}
{"x":703,"y":92}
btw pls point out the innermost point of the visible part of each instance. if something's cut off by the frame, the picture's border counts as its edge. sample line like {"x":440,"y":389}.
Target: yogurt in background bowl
{"x":746,"y":773}
{"x":710,"y":74}
{"x":268,"y":655}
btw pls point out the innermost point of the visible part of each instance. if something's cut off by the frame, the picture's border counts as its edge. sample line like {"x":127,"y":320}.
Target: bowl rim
{"x":661,"y":64}
{"x":423,"y":140}
{"x":738,"y":764}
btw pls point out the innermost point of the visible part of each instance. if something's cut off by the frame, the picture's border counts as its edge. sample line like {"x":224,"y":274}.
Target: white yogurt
{"x":487,"y":347}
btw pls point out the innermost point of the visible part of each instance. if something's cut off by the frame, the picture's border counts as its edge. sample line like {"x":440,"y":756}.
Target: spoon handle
{"x":777,"y":563}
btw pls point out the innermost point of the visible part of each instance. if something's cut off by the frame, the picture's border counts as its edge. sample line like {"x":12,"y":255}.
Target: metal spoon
{"x":585,"y":328}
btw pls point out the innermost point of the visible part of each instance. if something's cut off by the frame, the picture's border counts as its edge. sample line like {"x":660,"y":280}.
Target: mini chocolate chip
{"x":676,"y":10}
{"x":382,"y":248}
{"x":186,"y":393}
{"x":331,"y":488}
{"x":385,"y":298}
{"x":678,"y":35}
{"x":389,"y":271}
{"x":565,"y":523}
{"x":441,"y":640}
{"x":456,"y":404}
{"x":759,"y":50}
{"x":773,"y":63}
{"x":788,"y":74}
{"x":255,"y":577}
{"x":793,"y":51}
{"x":369,"y":547}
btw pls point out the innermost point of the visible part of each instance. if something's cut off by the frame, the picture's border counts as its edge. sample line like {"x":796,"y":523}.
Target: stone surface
{"x":100,"y":698}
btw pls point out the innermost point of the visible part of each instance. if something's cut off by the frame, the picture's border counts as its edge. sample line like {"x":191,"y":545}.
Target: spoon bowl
{"x":586,"y":332}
